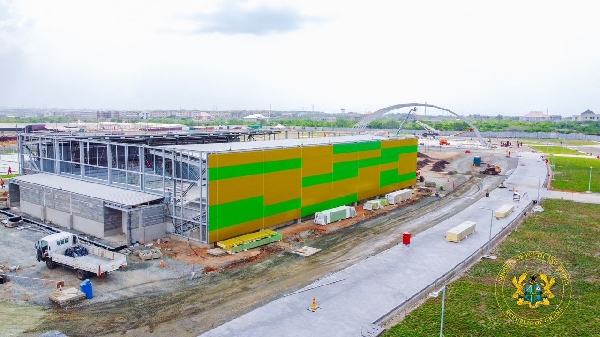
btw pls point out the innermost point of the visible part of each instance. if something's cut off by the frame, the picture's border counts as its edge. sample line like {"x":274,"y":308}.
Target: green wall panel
{"x":227,"y":172}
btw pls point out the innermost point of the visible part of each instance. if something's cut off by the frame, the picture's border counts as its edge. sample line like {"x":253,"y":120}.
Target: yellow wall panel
{"x":282,"y":186}
{"x":316,"y":194}
{"x":370,"y":154}
{"x":316,"y":160}
{"x":389,"y":188}
{"x":408,"y":163}
{"x":282,"y":154}
{"x":342,"y":157}
{"x":233,"y":231}
{"x":388,"y":166}
{"x":368,"y":182}
{"x":280,"y":218}
{"x":385,"y":144}
{"x":343,"y":188}
{"x":233,"y":189}
{"x":237,"y":158}
{"x":407,"y":183}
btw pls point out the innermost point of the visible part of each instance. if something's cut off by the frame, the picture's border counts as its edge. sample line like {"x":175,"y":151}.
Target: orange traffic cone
{"x":314,"y":306}
{"x":162,"y":263}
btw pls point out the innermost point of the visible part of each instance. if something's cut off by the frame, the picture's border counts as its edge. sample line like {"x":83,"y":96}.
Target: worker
{"x":9,"y":170}
{"x":2,"y":182}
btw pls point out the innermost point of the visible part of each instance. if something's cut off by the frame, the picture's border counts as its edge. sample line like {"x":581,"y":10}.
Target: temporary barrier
{"x":477,"y":161}
{"x":461,"y":231}
{"x":504,"y":211}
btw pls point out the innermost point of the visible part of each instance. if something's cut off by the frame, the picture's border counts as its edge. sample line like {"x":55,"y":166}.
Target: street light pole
{"x":590,"y":182}
{"x":435,"y":294}
{"x":488,"y":256}
{"x":538,"y":197}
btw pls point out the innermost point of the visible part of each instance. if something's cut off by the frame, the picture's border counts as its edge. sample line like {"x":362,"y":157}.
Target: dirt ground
{"x":194,"y":291}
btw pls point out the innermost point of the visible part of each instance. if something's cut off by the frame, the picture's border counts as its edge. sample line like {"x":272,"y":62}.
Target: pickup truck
{"x":64,"y":249}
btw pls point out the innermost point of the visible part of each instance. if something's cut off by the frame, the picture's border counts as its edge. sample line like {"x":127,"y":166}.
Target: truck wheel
{"x":50,"y":264}
{"x":82,"y":274}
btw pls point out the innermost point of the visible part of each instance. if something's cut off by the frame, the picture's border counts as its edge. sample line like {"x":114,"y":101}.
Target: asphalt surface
{"x":351,"y":300}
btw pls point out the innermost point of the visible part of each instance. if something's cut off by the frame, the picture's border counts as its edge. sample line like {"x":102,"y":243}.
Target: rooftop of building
{"x":104,"y":192}
{"x":274,"y":144}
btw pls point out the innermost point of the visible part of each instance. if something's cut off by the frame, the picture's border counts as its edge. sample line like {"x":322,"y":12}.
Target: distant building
{"x":535,"y":116}
{"x":586,"y":116}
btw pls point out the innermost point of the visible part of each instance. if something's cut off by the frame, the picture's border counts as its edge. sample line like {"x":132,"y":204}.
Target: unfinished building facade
{"x":207,"y":187}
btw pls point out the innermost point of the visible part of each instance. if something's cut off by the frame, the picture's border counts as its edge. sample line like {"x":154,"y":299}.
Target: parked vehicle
{"x":65,"y":249}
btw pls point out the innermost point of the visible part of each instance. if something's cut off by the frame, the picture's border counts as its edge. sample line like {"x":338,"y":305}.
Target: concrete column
{"x":109,"y":161}
{"x":56,"y":156}
{"x":81,"y":161}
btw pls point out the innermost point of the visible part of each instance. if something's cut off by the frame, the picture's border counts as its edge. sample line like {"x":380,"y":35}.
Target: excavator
{"x":491,"y":170}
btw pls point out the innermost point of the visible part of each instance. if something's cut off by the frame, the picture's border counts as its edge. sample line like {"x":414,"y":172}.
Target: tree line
{"x":497,"y":125}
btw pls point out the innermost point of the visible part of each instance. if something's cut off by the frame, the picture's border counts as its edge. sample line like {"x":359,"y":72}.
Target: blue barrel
{"x":86,"y":288}
{"x":477,"y":161}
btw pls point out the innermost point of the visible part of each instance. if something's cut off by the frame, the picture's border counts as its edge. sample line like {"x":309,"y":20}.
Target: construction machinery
{"x":444,"y":141}
{"x":491,"y":170}
{"x":429,"y":131}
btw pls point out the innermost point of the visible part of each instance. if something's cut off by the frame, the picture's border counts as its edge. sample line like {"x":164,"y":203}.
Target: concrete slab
{"x":352,"y":299}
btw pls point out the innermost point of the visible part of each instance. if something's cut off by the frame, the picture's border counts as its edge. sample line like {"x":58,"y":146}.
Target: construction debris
{"x":306,"y":251}
{"x":216,"y":252}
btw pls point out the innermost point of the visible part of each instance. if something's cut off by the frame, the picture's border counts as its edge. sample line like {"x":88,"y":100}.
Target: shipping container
{"x":461,"y":231}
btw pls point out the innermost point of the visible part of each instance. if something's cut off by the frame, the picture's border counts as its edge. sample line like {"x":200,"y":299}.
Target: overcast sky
{"x":507,"y":57}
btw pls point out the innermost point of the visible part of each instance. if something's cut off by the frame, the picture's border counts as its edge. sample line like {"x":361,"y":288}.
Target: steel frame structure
{"x":180,"y":176}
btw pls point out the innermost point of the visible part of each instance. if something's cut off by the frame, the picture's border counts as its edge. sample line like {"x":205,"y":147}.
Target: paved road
{"x":352,"y":299}
{"x":585,"y":198}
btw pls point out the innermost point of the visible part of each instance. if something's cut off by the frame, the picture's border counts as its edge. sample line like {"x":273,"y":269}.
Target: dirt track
{"x":189,"y":308}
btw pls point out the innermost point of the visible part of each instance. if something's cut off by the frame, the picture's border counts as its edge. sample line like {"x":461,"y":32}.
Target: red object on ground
{"x":468,"y":151}
{"x":406,"y":238}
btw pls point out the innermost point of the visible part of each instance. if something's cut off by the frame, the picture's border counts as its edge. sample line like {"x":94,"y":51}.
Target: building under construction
{"x":205,"y":186}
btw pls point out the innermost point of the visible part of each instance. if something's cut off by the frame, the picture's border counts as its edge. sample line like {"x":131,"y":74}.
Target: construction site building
{"x":207,"y":187}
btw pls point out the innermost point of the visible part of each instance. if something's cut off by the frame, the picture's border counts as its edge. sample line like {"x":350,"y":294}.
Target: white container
{"x":334,"y":214}
{"x":504,"y":211}
{"x":461,"y":231}
{"x":397,"y":197}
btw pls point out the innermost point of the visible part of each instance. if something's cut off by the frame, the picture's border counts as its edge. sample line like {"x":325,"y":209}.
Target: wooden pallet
{"x":67,"y":296}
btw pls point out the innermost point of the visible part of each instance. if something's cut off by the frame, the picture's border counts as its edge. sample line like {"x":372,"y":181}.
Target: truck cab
{"x":53,"y":243}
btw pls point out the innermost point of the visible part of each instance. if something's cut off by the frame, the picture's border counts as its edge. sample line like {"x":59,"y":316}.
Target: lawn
{"x":7,"y":176}
{"x":573,"y":174}
{"x":568,"y":231}
{"x":554,"y":149}
{"x":574,"y":142}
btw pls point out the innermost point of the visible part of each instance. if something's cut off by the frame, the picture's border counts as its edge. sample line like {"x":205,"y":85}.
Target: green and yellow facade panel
{"x":253,"y":190}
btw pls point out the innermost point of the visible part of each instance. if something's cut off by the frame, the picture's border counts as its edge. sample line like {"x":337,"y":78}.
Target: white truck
{"x":64,"y":249}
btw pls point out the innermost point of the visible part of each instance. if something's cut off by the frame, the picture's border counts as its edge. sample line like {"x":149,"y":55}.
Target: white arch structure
{"x":362,"y":124}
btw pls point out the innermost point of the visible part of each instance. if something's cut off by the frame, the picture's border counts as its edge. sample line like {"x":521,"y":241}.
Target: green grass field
{"x":569,"y":231}
{"x":554,"y":149}
{"x":573,"y":174}
{"x":534,"y":141}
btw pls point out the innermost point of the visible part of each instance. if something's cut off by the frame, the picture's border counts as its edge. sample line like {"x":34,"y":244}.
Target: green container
{"x":441,"y":188}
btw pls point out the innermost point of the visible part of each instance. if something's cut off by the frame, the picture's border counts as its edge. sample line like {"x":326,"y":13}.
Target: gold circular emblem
{"x":533,"y":288}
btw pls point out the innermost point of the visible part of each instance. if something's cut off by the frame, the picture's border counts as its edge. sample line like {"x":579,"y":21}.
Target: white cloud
{"x":469,"y":56}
